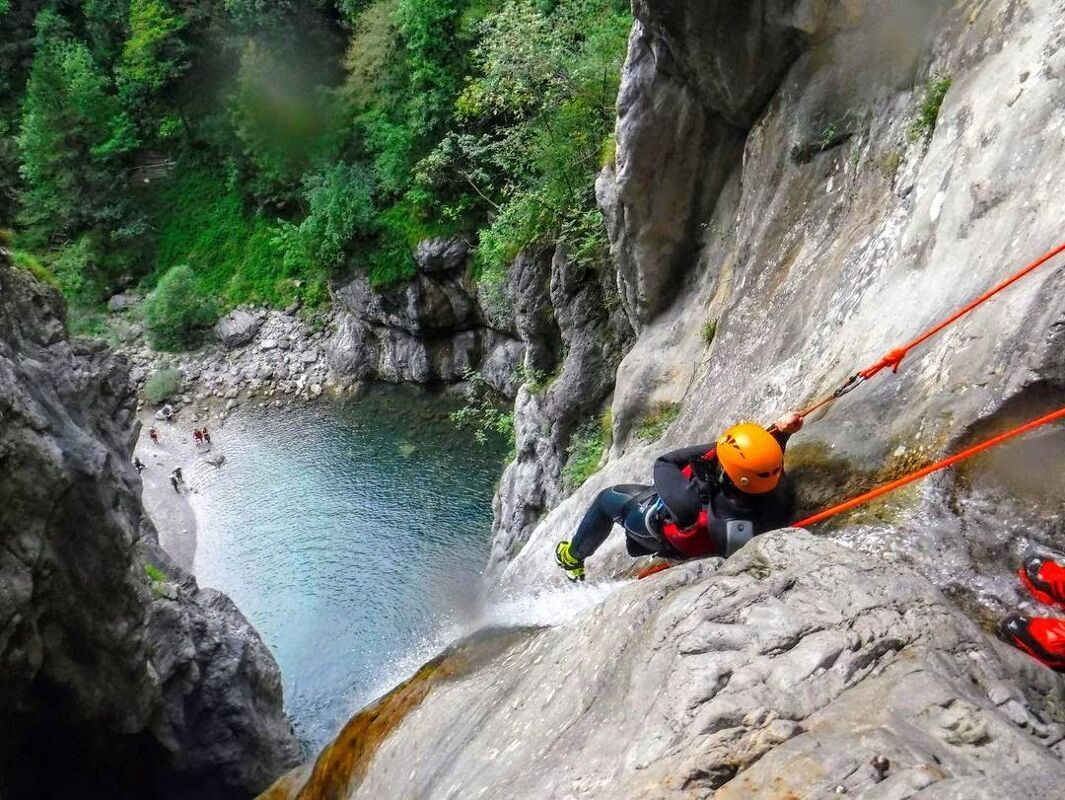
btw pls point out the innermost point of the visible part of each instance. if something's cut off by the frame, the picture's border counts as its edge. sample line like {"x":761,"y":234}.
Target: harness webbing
{"x":946,"y":462}
{"x":894,"y":357}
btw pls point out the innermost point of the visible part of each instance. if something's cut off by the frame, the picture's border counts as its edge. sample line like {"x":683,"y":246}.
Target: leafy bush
{"x":33,"y":265}
{"x":75,"y":267}
{"x":175,"y":310}
{"x":482,"y":413}
{"x":586,"y":449}
{"x":928,"y":113}
{"x":164,"y":384}
{"x":654,"y":425}
{"x":340,"y":200}
{"x":709,"y":331}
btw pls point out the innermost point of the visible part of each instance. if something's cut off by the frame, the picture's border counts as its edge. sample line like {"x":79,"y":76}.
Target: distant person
{"x":175,"y":484}
{"x":176,"y":474}
{"x":197,"y":436}
{"x":206,"y":435}
{"x":706,"y":500}
{"x":153,"y":434}
{"x":138,"y":464}
{"x":1043,"y":638}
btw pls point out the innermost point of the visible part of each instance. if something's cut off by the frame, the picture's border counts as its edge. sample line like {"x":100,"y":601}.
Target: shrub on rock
{"x":175,"y":310}
{"x":163,"y":385}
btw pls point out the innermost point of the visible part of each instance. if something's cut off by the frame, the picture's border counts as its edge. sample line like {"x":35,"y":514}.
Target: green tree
{"x":153,"y":57}
{"x":72,"y":141}
{"x":175,"y":310}
{"x":531,"y":125}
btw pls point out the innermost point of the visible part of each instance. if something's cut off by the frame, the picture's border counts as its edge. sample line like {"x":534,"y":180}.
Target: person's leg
{"x":609,"y":507}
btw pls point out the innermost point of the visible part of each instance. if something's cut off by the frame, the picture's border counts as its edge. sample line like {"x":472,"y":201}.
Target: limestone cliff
{"x":121,"y":678}
{"x":798,"y":187}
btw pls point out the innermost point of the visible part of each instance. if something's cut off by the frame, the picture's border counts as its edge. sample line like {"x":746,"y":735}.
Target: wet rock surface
{"x":111,"y":655}
{"x":795,"y":667}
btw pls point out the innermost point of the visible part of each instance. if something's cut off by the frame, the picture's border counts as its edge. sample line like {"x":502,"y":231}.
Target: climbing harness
{"x":946,"y":462}
{"x":894,"y":357}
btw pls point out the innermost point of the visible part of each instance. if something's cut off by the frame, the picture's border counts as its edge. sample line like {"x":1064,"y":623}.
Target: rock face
{"x":557,"y":310}
{"x":698,"y":75}
{"x":820,"y":252}
{"x":784,"y":672}
{"x":146,"y":684}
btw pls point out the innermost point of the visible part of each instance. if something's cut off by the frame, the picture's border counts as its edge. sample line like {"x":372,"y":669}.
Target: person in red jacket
{"x":1043,"y":638}
{"x":705,"y":500}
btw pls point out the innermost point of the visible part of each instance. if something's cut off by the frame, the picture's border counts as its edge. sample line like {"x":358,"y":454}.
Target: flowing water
{"x":350,"y":536}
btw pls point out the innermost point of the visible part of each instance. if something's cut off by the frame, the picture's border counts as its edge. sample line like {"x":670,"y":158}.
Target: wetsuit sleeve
{"x":779,"y":511}
{"x":675,"y":485}
{"x":782,"y":439}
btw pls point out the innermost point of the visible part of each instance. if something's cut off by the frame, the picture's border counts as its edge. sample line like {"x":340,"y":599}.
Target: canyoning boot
{"x":1043,"y":638}
{"x":573,"y":566}
{"x":1045,"y":579}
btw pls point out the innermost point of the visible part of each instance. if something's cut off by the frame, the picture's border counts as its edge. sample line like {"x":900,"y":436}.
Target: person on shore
{"x":176,"y":475}
{"x":197,"y":436}
{"x":705,"y":500}
{"x":153,"y":434}
{"x":138,"y":464}
{"x":206,"y":435}
{"x":175,"y":484}
{"x":1043,"y":638}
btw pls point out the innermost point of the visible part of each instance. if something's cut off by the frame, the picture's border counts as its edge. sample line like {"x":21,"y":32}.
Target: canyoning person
{"x":197,"y":436}
{"x":1043,"y":638}
{"x":174,"y":482}
{"x":206,"y":435}
{"x":153,"y":434}
{"x":706,"y":500}
{"x":138,"y":464}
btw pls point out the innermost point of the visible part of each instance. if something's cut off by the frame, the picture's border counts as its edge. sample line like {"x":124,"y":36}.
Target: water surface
{"x":348,"y":535}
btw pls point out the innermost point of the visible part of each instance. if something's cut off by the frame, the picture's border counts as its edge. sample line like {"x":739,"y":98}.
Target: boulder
{"x":441,"y":254}
{"x":122,"y":301}
{"x":237,"y":328}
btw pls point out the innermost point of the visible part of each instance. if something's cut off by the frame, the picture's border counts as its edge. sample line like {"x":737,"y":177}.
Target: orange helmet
{"x":751,"y":457}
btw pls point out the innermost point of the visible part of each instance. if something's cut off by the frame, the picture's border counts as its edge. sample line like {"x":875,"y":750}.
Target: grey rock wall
{"x":581,"y":339}
{"x":784,"y":672}
{"x":429,"y":330}
{"x":114,"y":684}
{"x":817,"y":262}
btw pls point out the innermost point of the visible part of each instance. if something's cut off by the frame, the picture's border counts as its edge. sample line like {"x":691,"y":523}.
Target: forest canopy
{"x":261,"y":146}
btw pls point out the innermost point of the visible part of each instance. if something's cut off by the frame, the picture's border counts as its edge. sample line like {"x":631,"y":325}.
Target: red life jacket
{"x":693,"y":542}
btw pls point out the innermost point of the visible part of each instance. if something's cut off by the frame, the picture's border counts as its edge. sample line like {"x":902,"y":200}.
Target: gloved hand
{"x":789,"y":423}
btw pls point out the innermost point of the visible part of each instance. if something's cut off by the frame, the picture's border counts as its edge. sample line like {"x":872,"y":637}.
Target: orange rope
{"x":946,"y":462}
{"x":894,"y":357}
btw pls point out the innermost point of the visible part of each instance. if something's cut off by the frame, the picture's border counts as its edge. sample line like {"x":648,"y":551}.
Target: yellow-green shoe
{"x":573,"y":566}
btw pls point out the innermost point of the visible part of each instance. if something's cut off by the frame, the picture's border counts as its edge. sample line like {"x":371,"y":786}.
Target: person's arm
{"x":784,"y":427}
{"x":673,"y":480}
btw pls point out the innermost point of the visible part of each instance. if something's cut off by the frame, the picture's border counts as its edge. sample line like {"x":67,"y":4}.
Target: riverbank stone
{"x":237,"y":328}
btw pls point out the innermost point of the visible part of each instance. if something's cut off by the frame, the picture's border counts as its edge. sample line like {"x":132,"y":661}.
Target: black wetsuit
{"x":641,"y":509}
